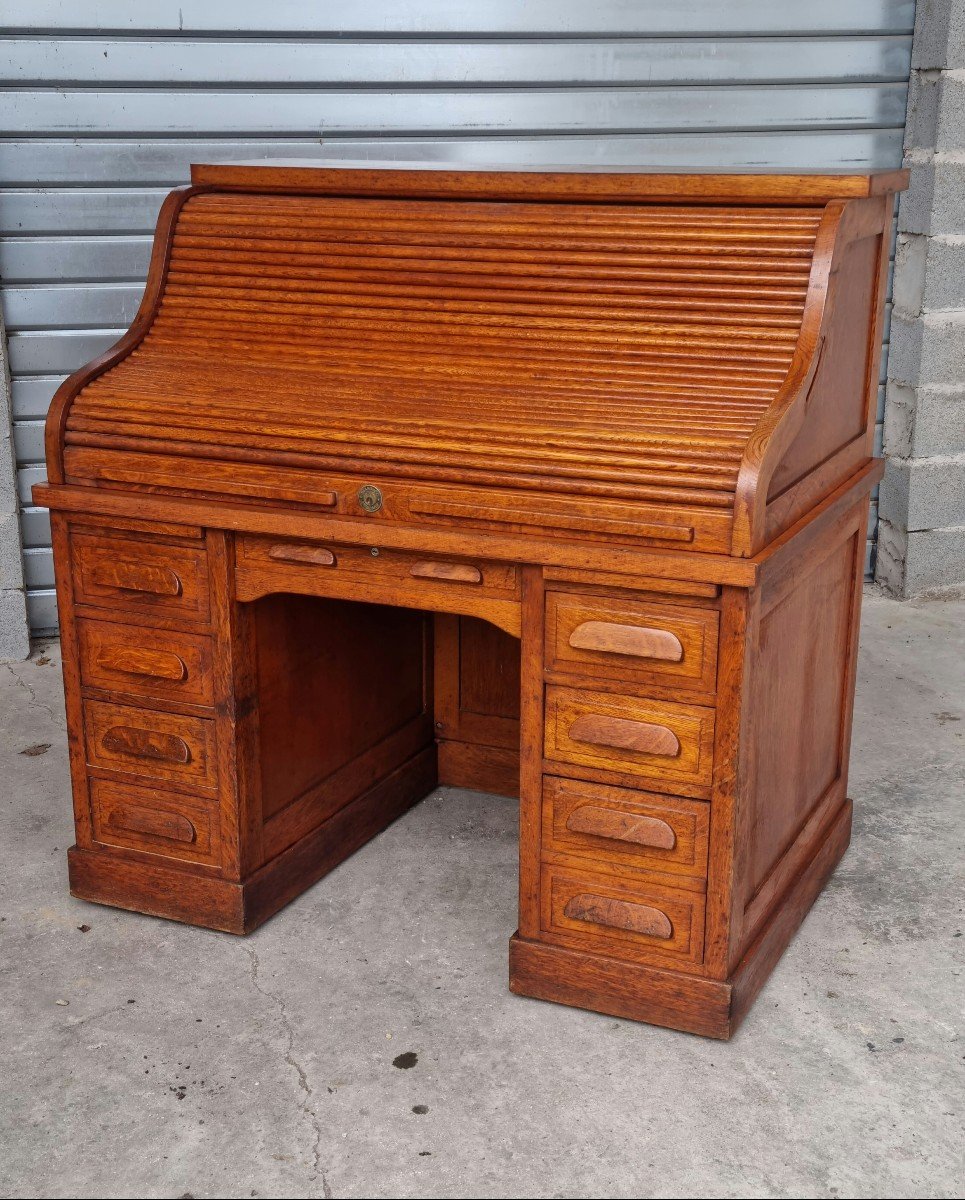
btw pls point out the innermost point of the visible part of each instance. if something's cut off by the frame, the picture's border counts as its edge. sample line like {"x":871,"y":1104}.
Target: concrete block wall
{"x":14,"y":642}
{"x":921,"y":537}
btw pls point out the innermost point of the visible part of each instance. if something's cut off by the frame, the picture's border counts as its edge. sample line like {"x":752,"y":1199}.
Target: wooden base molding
{"x":162,"y":891}
{"x":713,"y":1008}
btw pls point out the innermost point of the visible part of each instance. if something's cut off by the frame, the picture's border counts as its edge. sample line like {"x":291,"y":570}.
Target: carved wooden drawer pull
{"x":620,"y":914}
{"x":635,"y":640}
{"x":173,"y":826}
{"x":454,"y":572}
{"x":137,"y":577}
{"x":317,"y":556}
{"x":143,"y":743}
{"x":156,"y":664}
{"x":598,"y":730}
{"x":622,"y":826}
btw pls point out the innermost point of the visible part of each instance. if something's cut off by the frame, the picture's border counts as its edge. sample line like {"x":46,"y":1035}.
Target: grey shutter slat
{"x":42,"y":611}
{"x":72,"y":305}
{"x":25,"y":163}
{"x":53,"y":259}
{"x":32,"y":396}
{"x":52,"y":353}
{"x":532,"y":111}
{"x":642,"y":61}
{"x":28,"y":441}
{"x":35,"y":527}
{"x":504,"y":17}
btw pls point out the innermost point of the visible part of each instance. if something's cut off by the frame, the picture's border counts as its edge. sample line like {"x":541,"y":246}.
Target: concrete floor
{"x":149,"y":1059}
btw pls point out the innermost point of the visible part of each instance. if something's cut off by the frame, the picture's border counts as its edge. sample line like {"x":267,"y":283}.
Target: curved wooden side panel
{"x":840,"y":337}
{"x":781,"y":421}
{"x":153,"y":290}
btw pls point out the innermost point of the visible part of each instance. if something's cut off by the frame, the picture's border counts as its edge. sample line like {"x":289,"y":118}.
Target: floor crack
{"x":307,"y":1105}
{"x":21,"y":682}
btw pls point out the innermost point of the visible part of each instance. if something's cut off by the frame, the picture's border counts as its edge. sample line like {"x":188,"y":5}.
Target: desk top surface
{"x":399,"y":177}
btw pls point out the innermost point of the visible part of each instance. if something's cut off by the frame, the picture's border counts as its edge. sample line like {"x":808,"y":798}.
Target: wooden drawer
{"x":440,"y":583}
{"x":665,"y":742}
{"x":610,"y":915}
{"x":148,"y":662}
{"x":141,"y":818}
{"x":139,"y":574}
{"x":159,"y":745}
{"x":625,"y":828}
{"x":632,"y":639}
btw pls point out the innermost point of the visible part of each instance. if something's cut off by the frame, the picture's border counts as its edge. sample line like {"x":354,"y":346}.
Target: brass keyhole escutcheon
{"x":369,"y":498}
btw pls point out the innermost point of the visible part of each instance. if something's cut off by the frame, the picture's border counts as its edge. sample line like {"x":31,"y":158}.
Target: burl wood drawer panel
{"x":140,"y":574}
{"x":666,"y":742}
{"x":622,"y":827}
{"x":623,"y":917}
{"x":158,"y":745}
{"x":150,"y":662}
{"x":632,"y":639}
{"x":155,"y":822}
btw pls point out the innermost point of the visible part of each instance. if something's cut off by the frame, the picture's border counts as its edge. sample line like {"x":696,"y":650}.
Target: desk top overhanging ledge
{"x":641,"y":359}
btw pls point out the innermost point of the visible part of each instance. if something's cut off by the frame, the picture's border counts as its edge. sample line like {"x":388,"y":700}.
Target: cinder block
{"x":924,"y":103}
{"x":924,"y":493}
{"x":950,"y":129}
{"x":948,"y":201}
{"x":8,"y":485}
{"x":14,"y":637}
{"x":935,"y":561}
{"x":937,"y":39}
{"x":901,"y":411}
{"x":943,"y":276}
{"x":938,"y":422}
{"x":911,"y":257}
{"x":928,"y":350}
{"x":11,"y":561}
{"x":916,"y":564}
{"x":916,"y":202}
{"x":890,"y":557}
{"x":893,"y":492}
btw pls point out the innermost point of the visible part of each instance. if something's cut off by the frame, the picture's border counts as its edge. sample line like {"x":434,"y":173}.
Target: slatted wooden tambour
{"x":549,"y":484}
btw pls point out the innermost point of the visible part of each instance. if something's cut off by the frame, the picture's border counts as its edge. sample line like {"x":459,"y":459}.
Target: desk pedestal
{"x":246,"y":711}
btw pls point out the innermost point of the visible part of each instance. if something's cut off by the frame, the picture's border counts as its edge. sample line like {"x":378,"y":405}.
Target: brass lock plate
{"x":369,"y":498}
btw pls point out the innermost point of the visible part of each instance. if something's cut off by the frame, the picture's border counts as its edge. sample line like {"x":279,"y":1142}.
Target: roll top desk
{"x":548,"y":484}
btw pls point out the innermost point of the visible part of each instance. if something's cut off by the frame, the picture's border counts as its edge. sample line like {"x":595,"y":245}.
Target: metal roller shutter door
{"x":107,"y":104}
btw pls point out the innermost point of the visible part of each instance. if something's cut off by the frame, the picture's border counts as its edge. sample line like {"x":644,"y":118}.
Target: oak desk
{"x":549,"y":484}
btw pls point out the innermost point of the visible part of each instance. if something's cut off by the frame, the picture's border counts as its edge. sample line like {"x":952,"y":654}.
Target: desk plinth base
{"x":180,"y":895}
{"x":690,"y":1003}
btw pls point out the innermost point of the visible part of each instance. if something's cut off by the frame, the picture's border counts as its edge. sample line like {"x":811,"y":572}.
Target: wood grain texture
{"x":652,"y":643}
{"x":620,"y":828}
{"x":630,"y":185}
{"x":552,"y":484}
{"x":167,"y":664}
{"x":653,"y":739}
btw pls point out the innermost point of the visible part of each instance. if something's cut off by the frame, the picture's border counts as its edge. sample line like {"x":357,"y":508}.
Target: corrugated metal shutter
{"x":107,"y":103}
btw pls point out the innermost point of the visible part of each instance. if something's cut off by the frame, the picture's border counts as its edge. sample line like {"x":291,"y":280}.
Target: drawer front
{"x":632,"y":639}
{"x":158,"y":745}
{"x":619,"y":916}
{"x":426,"y":572}
{"x":672,"y":743}
{"x":471,"y":587}
{"x":148,"y":662}
{"x":139,"y":574}
{"x":625,"y":828}
{"x":140,"y":818}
